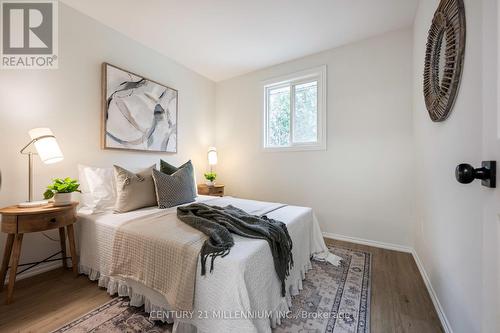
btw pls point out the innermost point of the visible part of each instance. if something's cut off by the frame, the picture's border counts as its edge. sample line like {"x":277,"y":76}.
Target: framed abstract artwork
{"x":138,"y":113}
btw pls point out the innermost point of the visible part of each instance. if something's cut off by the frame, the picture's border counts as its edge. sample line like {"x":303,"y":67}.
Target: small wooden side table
{"x":18,"y":221}
{"x":215,"y":190}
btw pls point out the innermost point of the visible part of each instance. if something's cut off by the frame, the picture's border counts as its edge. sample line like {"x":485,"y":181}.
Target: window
{"x":294,"y":111}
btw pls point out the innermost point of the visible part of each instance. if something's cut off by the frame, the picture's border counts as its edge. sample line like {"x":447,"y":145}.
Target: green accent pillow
{"x":169,"y":169}
{"x":176,"y":189}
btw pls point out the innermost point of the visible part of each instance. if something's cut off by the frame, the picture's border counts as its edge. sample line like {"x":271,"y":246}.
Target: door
{"x":457,"y":225}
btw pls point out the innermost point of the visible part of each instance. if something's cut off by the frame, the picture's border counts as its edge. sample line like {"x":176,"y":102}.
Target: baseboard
{"x":435,"y":300}
{"x":401,"y":248}
{"x":42,"y":268}
{"x":362,"y":241}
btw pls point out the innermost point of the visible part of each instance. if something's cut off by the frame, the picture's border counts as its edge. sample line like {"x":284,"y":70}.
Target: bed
{"x":241,"y":294}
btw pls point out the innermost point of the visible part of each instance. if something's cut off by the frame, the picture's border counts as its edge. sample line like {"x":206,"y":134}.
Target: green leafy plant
{"x":210,"y":176}
{"x":59,"y":185}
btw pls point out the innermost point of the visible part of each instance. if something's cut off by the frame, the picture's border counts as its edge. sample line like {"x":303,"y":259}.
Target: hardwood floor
{"x":399,"y":299}
{"x":47,"y":301}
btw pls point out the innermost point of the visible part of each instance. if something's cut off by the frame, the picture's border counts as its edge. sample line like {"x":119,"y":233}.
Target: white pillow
{"x":98,"y":189}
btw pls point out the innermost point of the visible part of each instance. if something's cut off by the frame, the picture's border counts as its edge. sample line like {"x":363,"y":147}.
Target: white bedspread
{"x":243,"y":289}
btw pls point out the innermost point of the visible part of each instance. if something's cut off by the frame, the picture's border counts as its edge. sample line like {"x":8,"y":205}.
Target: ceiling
{"x":221,"y":39}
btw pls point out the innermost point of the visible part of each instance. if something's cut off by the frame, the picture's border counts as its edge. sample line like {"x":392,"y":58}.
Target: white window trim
{"x":320,"y":72}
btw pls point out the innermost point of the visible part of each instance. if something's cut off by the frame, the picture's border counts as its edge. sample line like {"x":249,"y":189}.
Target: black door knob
{"x":466,"y":173}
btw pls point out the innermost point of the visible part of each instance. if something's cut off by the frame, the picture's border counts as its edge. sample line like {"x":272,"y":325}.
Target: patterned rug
{"x":333,"y":300}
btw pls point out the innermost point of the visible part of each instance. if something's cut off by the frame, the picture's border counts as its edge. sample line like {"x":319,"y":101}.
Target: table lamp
{"x":47,"y":148}
{"x":212,"y":157}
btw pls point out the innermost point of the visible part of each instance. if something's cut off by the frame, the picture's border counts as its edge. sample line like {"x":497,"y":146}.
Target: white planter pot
{"x":209,"y":183}
{"x":62,"y":199}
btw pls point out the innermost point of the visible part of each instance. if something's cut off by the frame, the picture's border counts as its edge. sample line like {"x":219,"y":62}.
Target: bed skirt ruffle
{"x":277,"y":315}
{"x":117,"y":286}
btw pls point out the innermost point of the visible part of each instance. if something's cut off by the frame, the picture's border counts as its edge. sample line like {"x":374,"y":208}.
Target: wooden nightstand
{"x":216,"y":190}
{"x":18,"y":221}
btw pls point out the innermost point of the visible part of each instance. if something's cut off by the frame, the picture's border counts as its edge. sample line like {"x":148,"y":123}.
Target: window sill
{"x":294,"y":148}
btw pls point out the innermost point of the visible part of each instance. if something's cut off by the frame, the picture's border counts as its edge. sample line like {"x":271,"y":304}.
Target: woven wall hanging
{"x":444,"y":58}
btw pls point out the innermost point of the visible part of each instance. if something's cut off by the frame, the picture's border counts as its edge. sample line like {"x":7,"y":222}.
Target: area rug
{"x":333,"y":300}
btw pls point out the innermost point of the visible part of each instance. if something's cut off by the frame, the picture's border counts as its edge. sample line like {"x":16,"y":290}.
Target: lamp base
{"x":32,"y":204}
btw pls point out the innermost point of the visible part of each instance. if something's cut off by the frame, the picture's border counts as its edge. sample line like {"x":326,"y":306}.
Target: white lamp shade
{"x":46,"y":145}
{"x":212,"y":156}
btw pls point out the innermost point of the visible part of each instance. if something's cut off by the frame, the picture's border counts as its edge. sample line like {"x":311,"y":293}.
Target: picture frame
{"x":138,"y":114}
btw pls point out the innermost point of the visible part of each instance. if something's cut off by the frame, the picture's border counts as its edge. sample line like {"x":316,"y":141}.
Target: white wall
{"x":490,"y":258}
{"x":68,"y":101}
{"x":457,"y":226}
{"x":362,"y":185}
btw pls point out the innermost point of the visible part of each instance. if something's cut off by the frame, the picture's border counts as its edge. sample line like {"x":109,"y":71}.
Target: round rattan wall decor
{"x":444,"y":58}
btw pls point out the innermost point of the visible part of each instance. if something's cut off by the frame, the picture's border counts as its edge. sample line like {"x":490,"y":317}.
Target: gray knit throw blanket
{"x":219,"y":222}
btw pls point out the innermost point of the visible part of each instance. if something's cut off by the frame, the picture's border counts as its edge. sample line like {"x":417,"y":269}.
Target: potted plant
{"x":210,"y":177}
{"x":61,"y":190}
